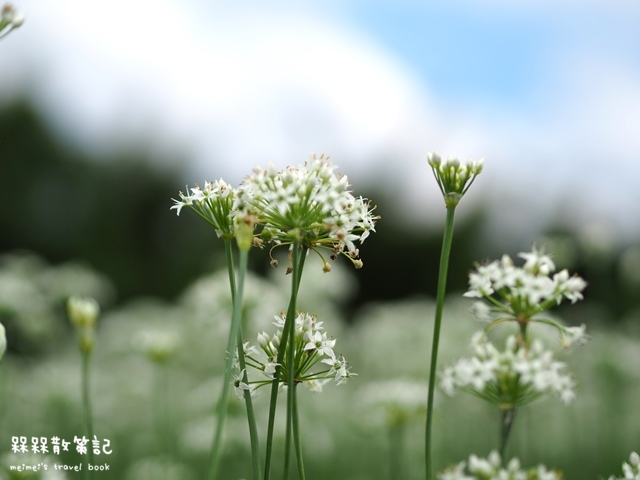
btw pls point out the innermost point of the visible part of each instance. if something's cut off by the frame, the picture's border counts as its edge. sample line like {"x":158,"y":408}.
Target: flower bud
{"x":83,"y":313}
{"x":3,"y":341}
{"x":244,"y":232}
{"x":434,"y":159}
{"x":9,"y":19}
{"x":263,"y":339}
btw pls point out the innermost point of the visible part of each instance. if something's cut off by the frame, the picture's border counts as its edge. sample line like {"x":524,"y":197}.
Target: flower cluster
{"x":159,"y":346}
{"x":511,"y":378}
{"x":312,"y":347}
{"x":311,"y":205}
{"x":454,"y":177}
{"x":215,"y":203}
{"x":630,"y":470}
{"x":491,"y":469}
{"x":522,"y":293}
{"x":9,"y":19}
{"x":394,"y":402}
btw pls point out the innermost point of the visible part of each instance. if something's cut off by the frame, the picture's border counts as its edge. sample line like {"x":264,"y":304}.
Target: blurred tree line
{"x":114,"y":214}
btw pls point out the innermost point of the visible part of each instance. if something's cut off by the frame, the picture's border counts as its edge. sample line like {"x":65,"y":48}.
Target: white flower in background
{"x":311,"y":205}
{"x":453,"y":176}
{"x":393,"y":402}
{"x":630,"y":470}
{"x":522,"y":294}
{"x":313,"y":348}
{"x":509,"y":378}
{"x":159,"y":346}
{"x":491,"y":469}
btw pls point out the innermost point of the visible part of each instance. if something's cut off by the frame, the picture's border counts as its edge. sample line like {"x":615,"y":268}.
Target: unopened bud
{"x":263,"y":339}
{"x":83,"y":313}
{"x":3,"y":341}
{"x":244,"y":232}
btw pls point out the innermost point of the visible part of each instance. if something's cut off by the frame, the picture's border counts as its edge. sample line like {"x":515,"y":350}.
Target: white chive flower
{"x":631,"y":470}
{"x":315,"y":361}
{"x":513,"y":377}
{"x":159,"y":346}
{"x":491,"y":468}
{"x":310,"y":204}
{"x":393,"y":403}
{"x":523,"y":293}
{"x":215,"y":203}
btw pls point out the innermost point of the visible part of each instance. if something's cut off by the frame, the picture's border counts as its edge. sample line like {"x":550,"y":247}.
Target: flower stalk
{"x":83,"y":314}
{"x":440,"y":296}
{"x":298,"y":255}
{"x":454,"y":179}
{"x":508,"y":416}
{"x":235,"y":338}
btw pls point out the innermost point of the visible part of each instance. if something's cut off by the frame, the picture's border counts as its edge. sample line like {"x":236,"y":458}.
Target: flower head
{"x":491,"y":468}
{"x":454,"y":177}
{"x":309,"y":204}
{"x":394,"y":402}
{"x":214,"y":203}
{"x":509,"y":378}
{"x":158,"y":345}
{"x":312,"y":349}
{"x":523,"y":293}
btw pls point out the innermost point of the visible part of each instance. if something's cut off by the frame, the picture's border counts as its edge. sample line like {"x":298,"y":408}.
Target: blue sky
{"x":547,"y":91}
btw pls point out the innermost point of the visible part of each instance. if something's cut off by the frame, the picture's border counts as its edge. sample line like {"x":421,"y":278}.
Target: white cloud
{"x":243,"y":85}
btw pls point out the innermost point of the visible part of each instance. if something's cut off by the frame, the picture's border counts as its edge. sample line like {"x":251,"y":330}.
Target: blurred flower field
{"x":368,"y":428}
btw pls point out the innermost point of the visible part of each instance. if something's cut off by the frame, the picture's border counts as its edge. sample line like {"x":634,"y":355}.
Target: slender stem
{"x":296,"y":435}
{"x":396,"y":451}
{"x":442,"y":287}
{"x":251,"y":417}
{"x":508,"y":417}
{"x":86,"y":400}
{"x":298,"y":258}
{"x":234,"y":332}
{"x":161,"y":397}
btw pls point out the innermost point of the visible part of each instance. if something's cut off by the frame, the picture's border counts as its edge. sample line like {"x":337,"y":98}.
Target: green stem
{"x":86,"y":400}
{"x":442,"y":287}
{"x":161,"y":395}
{"x":251,"y":417}
{"x":237,"y":293}
{"x":298,"y":258}
{"x":508,"y":417}
{"x":396,"y":451}
{"x":296,"y":435}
